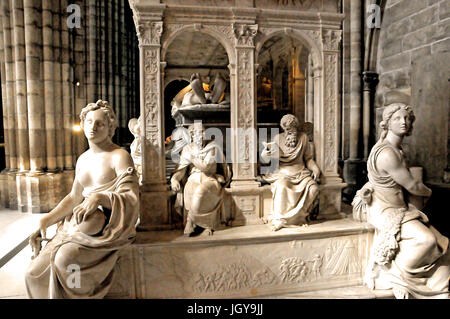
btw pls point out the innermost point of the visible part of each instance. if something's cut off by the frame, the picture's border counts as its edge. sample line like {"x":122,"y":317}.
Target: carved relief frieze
{"x":232,"y":277}
{"x":330,"y":111}
{"x":331,"y":39}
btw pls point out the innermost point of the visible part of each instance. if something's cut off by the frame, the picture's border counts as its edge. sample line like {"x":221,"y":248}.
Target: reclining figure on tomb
{"x":294,"y":183}
{"x":97,"y":218}
{"x":408,"y":255}
{"x":199,"y":182}
{"x":202,"y":94}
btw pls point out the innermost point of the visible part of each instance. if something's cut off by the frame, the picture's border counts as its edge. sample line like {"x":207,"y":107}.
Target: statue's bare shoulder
{"x":388,"y":160}
{"x":121,"y":160}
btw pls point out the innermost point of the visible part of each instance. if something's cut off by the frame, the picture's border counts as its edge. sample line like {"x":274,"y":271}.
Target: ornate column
{"x":327,"y":139}
{"x":246,"y":202}
{"x":155,"y":212}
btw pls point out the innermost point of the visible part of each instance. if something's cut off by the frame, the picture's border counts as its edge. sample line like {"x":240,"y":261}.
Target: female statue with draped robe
{"x":97,"y":218}
{"x":408,"y":255}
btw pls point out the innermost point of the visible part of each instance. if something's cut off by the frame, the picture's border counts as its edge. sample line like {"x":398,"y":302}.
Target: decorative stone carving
{"x":245,"y":34}
{"x":294,"y":183}
{"x":331,"y":39}
{"x":149,"y":32}
{"x":330,"y":112}
{"x":151,"y":115}
{"x":98,"y":218}
{"x":408,"y":255}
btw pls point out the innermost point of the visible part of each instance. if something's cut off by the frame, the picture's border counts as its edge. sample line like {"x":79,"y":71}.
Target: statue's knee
{"x":315,"y":190}
{"x":65,"y":256}
{"x":282,"y":183}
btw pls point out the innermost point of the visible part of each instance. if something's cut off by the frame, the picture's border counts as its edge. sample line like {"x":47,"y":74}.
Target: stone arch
{"x":219,"y":36}
{"x":300,"y":35}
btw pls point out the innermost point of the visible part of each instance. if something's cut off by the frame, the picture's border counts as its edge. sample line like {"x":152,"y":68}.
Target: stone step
{"x":245,"y":262}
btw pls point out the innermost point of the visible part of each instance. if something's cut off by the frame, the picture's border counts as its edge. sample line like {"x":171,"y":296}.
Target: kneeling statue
{"x":294,"y":183}
{"x":203,"y":168}
{"x":408,"y":255}
{"x":97,"y":218}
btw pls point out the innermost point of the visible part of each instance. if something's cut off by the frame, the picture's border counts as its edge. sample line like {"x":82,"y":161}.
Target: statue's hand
{"x":37,"y":237}
{"x":175,"y":185}
{"x":316,"y":175}
{"x":86,"y":208}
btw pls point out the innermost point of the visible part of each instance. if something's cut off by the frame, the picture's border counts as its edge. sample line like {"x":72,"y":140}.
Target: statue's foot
{"x":189,"y":229}
{"x":208,"y":232}
{"x":276,"y":227}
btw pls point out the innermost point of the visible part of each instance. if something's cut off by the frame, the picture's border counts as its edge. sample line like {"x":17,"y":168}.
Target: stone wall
{"x":413,"y":56}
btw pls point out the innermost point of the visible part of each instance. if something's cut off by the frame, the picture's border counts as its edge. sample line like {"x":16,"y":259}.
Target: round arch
{"x":204,"y":29}
{"x":299,"y":35}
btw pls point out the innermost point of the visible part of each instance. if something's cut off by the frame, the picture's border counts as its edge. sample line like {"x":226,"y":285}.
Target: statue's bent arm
{"x":393,"y":166}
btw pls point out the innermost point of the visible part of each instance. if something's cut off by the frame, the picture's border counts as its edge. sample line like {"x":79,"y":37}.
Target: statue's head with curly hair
{"x":108,"y":112}
{"x":389,"y":115}
{"x":291,"y":126}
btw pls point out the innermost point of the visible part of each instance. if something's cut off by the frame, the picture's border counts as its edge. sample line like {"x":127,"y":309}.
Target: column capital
{"x":370,"y":79}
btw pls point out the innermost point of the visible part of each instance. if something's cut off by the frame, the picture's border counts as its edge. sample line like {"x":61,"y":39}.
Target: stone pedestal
{"x":244,"y":262}
{"x":34,"y":193}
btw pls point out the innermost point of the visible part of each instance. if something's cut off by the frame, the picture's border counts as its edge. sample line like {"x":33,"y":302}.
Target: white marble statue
{"x":134,"y":125}
{"x":200,"y":92}
{"x":408,"y":255}
{"x":204,"y":173}
{"x":97,"y":218}
{"x":294,"y":183}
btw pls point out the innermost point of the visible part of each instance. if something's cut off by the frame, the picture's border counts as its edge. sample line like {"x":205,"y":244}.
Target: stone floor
{"x":15,"y":254}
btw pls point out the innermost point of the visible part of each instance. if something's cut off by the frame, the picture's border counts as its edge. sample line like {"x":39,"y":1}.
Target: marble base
{"x":155,"y":210}
{"x":244,"y":262}
{"x":34,"y":193}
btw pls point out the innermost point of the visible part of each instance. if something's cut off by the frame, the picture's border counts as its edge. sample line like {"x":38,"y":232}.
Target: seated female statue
{"x":97,"y":218}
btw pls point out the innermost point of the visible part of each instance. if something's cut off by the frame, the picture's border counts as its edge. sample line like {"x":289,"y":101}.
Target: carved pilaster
{"x":244,"y":109}
{"x":149,"y":34}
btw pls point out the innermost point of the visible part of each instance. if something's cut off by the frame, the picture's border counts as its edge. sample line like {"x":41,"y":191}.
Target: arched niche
{"x":185,"y":52}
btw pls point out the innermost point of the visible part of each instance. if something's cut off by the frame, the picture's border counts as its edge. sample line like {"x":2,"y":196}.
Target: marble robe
{"x":292,"y":184}
{"x":48,"y":276}
{"x":204,"y":208}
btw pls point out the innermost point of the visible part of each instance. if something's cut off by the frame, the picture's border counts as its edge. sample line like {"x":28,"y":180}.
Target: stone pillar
{"x":326,"y":132}
{"x":155,"y":212}
{"x":309,"y":117}
{"x":23,"y":148}
{"x":353,"y":166}
{"x":49,"y":84}
{"x":370,"y":83}
{"x":243,"y":125}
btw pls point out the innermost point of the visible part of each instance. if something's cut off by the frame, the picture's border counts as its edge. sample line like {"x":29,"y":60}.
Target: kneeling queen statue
{"x":408,"y":255}
{"x":97,"y":218}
